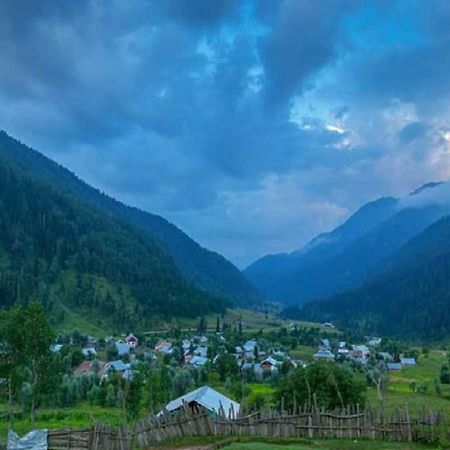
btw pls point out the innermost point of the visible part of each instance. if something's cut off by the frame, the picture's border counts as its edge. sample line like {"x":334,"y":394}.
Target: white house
{"x":122,"y":348}
{"x":325,"y":355}
{"x":206,"y":398}
{"x":89,"y":351}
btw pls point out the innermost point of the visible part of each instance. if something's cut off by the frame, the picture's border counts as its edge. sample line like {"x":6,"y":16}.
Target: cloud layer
{"x":253,"y":125}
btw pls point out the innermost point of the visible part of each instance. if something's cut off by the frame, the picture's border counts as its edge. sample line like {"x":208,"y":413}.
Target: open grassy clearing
{"x":426,"y":372}
{"x":252,"y":321}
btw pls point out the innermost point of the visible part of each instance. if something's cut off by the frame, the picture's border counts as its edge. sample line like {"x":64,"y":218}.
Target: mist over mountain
{"x":352,"y":253}
{"x":409,"y":296}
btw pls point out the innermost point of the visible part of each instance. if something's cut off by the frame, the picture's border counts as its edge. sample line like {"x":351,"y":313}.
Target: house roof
{"x":198,"y":361}
{"x":118,"y":365}
{"x":394,"y":366}
{"x":325,"y":354}
{"x":208,"y":398}
{"x":122,"y":348}
{"x":408,"y":361}
{"x":89,"y":351}
{"x":271,"y":361}
{"x":87,"y":367}
{"x":201,"y":351}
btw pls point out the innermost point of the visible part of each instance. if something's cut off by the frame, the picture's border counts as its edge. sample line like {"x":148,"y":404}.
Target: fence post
{"x":408,"y":423}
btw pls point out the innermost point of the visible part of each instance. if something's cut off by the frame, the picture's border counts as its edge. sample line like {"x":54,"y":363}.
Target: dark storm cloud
{"x":229,"y":116}
{"x":304,"y":38}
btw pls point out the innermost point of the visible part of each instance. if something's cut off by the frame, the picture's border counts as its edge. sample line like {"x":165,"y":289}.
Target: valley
{"x":125,"y":327}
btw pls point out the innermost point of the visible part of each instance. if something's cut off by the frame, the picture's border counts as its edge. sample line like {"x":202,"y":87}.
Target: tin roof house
{"x":206,"y":398}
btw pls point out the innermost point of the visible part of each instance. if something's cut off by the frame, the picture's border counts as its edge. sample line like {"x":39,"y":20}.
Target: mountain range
{"x":73,"y":247}
{"x":385,"y":270}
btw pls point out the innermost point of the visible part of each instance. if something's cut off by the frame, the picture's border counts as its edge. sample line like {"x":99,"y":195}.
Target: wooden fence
{"x":312,"y":422}
{"x":100,"y":437}
{"x":430,"y":426}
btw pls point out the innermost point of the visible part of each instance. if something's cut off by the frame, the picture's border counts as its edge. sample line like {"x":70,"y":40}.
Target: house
{"x":56,"y":348}
{"x":122,"y":348}
{"x":89,"y":351}
{"x":90,"y":367}
{"x":360,"y":351}
{"x":343,"y":350}
{"x":198,"y":361}
{"x":408,"y":362}
{"x":164,"y":347}
{"x":201,"y":351}
{"x":374,"y":341}
{"x":249,"y":346}
{"x":328,"y":325}
{"x":324,"y":343}
{"x":206,"y":398}
{"x":393,"y":367}
{"x":270,"y":364}
{"x":186,"y":344}
{"x":132,"y":341}
{"x":280,"y":353}
{"x":116,"y":366}
{"x":324,"y":355}
{"x":386,"y":357}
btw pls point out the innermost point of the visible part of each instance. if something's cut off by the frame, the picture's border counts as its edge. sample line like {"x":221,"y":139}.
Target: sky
{"x":253,"y":125}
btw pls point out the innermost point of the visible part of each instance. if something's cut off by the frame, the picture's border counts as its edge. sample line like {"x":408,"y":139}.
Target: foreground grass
{"x":80,"y":416}
{"x":254,"y":443}
{"x":329,"y":445}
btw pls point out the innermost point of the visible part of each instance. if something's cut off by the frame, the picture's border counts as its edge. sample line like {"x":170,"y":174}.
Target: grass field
{"x":253,"y":443}
{"x":78,"y":416}
{"x":426,"y":371}
{"x":329,"y":445}
{"x":252,"y":321}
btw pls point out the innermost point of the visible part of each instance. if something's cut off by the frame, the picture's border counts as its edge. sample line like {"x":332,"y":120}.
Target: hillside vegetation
{"x":58,"y":250}
{"x":410,"y":297}
{"x":210,"y":271}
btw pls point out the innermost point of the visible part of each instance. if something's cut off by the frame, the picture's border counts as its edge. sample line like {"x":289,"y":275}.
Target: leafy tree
{"x":133,"y":395}
{"x":29,"y":339}
{"x":226,"y":366}
{"x":377,"y":375}
{"x":445,"y":374}
{"x":182,"y":383}
{"x":320,"y":383}
{"x":111,"y":397}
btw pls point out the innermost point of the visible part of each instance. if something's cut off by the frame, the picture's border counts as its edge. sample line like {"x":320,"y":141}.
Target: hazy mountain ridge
{"x":349,"y":255}
{"x":208,"y":270}
{"x":410,"y":296}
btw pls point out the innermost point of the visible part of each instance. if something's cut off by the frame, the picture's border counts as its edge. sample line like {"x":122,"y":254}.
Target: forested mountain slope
{"x":68,"y":255}
{"x":208,"y":270}
{"x":349,"y":255}
{"x":410,"y":296}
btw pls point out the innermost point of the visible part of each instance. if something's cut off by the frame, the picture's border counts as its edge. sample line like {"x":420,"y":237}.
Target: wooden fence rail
{"x":306,"y":422}
{"x":312,"y":422}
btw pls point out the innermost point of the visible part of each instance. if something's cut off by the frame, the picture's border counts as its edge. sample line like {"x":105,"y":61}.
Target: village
{"x":216,"y":365}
